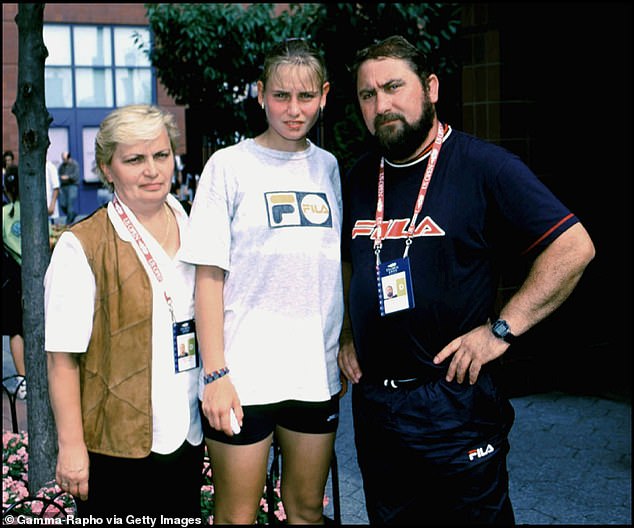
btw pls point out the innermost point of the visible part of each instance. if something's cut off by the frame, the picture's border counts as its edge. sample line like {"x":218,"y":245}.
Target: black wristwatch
{"x":502,"y":330}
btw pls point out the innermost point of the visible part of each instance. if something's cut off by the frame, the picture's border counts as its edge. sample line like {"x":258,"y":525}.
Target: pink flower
{"x":280,"y":513}
{"x":23,"y":491}
{"x":36,"y":507}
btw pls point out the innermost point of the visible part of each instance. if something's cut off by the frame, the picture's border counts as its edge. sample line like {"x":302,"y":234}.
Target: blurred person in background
{"x":68,"y":171}
{"x":12,"y":276}
{"x":7,"y":160}
{"x":52,"y":191}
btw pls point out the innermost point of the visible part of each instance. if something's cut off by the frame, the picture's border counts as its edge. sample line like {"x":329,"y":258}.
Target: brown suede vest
{"x":116,"y":370}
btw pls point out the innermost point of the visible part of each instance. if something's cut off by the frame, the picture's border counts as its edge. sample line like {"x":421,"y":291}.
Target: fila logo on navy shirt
{"x":481,"y":452}
{"x":396,"y":228}
{"x":293,"y":208}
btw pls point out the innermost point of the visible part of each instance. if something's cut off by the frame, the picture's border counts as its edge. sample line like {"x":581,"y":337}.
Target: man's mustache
{"x":384,"y":118}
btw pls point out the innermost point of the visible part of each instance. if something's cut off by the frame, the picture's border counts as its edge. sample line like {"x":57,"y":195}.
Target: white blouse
{"x":69,"y":298}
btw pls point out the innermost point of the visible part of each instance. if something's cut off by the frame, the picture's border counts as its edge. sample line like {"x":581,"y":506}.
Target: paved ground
{"x":570,"y":460}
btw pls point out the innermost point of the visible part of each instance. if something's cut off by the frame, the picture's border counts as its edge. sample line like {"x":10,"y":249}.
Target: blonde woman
{"x":118,"y":304}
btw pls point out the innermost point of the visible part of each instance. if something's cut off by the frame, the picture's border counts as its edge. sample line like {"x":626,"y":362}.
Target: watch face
{"x":500,"y":328}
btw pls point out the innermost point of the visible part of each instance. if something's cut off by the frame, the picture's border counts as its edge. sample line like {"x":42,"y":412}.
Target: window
{"x":58,"y":74}
{"x":96,"y":66}
{"x":88,"y":140}
{"x":132,"y":68}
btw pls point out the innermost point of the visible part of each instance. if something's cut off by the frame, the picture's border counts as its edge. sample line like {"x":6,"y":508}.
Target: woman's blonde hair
{"x":129,"y":124}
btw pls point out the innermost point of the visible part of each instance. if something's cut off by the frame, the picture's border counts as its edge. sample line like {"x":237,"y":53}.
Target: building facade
{"x":94,"y":65}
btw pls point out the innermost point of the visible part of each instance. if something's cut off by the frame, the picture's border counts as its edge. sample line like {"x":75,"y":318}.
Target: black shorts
{"x":260,"y":420}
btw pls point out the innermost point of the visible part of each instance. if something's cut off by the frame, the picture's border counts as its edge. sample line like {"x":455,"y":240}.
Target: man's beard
{"x":400,"y":142}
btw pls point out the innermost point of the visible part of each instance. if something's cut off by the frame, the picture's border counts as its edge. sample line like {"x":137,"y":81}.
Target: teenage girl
{"x":265,"y":239}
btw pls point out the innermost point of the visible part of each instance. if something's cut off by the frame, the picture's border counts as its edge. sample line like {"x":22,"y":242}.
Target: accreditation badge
{"x":394,"y":283}
{"x":185,"y":346}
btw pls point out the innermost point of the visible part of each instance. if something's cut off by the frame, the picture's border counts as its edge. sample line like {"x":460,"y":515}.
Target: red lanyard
{"x":136,"y":236}
{"x":431,"y":165}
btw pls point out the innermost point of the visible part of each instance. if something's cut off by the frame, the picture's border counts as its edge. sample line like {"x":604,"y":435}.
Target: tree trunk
{"x":33,"y":121}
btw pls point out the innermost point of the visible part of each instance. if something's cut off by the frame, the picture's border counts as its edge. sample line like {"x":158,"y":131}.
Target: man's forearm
{"x":552,"y":278}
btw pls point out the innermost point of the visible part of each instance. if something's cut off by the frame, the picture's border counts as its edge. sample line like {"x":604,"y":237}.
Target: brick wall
{"x":9,"y":77}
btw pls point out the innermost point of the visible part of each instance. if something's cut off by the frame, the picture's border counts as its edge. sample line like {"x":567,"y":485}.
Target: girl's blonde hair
{"x":294,"y":52}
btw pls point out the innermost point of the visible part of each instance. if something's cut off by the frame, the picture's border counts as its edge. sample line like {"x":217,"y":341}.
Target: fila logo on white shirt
{"x":294,"y":208}
{"x":480,"y":452}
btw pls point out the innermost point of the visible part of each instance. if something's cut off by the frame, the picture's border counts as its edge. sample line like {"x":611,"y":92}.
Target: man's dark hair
{"x":7,"y":154}
{"x":394,"y":47}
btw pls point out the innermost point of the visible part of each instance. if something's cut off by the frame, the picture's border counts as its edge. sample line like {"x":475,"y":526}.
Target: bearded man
{"x":436,"y":211}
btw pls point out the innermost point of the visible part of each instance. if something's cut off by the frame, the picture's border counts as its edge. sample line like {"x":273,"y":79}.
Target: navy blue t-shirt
{"x":483,"y":205}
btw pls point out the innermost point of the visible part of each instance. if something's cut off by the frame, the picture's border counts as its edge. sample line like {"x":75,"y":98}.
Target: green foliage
{"x":207,"y":55}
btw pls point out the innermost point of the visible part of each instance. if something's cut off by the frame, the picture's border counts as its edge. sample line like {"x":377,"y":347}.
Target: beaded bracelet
{"x":208,"y":378}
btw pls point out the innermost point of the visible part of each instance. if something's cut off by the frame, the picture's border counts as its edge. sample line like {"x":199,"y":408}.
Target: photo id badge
{"x":394,"y":283}
{"x":185,"y":346}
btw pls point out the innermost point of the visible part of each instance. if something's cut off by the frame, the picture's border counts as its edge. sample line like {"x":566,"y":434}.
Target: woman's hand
{"x":219,"y":397}
{"x":72,"y":470}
